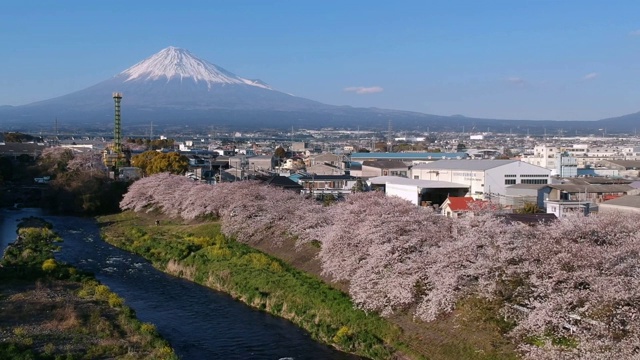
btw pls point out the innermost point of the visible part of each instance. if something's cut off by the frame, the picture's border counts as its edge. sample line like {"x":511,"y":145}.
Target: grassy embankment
{"x":49,"y":310}
{"x":199,"y":252}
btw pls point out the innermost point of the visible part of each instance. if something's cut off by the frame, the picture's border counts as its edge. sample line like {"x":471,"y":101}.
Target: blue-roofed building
{"x":296,"y":177}
{"x":408,"y":157}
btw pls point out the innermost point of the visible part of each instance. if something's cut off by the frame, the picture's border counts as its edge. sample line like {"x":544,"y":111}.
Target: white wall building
{"x":577,"y":150}
{"x":584,"y":155}
{"x":543,"y":155}
{"x":562,"y":208}
{"x":419,"y":192}
{"x":484,"y":177}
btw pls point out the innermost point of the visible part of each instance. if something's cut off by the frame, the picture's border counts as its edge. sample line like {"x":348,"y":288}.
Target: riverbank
{"x":276,"y":284}
{"x":49,"y":310}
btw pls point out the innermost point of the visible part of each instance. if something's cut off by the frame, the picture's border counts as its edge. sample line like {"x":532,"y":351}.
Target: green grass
{"x":199,"y":252}
{"x":90,"y":320}
{"x":205,"y":256}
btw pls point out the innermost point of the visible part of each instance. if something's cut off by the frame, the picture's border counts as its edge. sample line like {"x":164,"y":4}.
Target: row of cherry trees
{"x":572,"y":286}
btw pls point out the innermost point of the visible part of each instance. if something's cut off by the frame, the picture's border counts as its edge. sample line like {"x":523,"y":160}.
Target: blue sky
{"x":516,"y":59}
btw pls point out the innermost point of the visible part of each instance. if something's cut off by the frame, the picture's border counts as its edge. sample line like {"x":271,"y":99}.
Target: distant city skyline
{"x":547,"y":60}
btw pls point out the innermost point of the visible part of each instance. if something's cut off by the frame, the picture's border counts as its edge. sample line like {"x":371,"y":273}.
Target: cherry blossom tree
{"x":55,"y":159}
{"x":573,"y":281}
{"x":89,"y":161}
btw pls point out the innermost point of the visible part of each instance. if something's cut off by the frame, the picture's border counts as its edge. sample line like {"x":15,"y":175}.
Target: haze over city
{"x":500,"y":59}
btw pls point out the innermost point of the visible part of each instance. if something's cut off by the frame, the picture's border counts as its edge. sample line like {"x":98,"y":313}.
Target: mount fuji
{"x":174,"y":87}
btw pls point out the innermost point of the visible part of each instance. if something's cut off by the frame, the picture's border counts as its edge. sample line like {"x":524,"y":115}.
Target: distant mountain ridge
{"x":173,"y":87}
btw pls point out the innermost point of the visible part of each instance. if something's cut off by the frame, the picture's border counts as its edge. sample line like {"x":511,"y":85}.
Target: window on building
{"x":510,"y":181}
{"x":534,"y":181}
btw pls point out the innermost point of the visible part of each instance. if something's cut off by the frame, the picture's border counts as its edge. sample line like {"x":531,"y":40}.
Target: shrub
{"x":19,"y":331}
{"x":147,"y":328}
{"x":102,"y":292}
{"x":49,"y":265}
{"x":115,"y":301}
{"x":343,"y":335}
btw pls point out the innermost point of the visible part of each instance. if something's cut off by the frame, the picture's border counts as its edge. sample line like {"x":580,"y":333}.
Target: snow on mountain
{"x":175,"y":63}
{"x":176,"y":88}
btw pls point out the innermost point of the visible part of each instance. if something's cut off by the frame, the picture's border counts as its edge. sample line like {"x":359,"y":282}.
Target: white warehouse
{"x":484,"y":177}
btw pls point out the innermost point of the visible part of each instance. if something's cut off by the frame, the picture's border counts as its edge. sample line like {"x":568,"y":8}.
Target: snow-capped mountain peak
{"x":176,"y":63}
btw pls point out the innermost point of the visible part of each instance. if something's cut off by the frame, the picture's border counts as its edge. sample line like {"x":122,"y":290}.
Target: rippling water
{"x":9,"y":219}
{"x":198,"y":322}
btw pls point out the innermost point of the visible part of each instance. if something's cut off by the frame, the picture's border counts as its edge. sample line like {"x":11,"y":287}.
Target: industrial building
{"x":484,"y":177}
{"x":418,"y":192}
{"x":407,"y":157}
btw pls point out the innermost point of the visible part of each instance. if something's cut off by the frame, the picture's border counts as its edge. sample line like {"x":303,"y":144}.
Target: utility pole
{"x":56,"y":142}
{"x":389,"y":138}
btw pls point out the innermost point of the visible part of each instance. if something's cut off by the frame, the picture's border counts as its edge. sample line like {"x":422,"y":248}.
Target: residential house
{"x":282,"y":182}
{"x":455,"y":206}
{"x":325,"y":184}
{"x":326,"y":158}
{"x":324,"y":169}
{"x":384,"y":168}
{"x":299,"y":146}
{"x":517,"y":196}
{"x":584,"y":197}
{"x":262,"y":162}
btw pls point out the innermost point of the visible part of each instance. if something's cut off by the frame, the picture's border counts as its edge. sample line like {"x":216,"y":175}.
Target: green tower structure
{"x":117,"y":130}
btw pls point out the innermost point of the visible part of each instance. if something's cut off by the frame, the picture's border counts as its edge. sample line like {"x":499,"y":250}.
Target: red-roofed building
{"x":455,"y":206}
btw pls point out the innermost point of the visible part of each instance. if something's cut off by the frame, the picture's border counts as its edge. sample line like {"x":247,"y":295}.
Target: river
{"x":198,"y":322}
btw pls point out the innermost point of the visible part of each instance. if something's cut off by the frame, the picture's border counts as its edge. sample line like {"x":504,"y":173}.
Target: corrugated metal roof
{"x":594,"y":180}
{"x":612,"y":188}
{"x":627,"y":164}
{"x":432,"y":184}
{"x":479,"y":165}
{"x":326,"y":177}
{"x":527,"y":186}
{"x":627,"y":201}
{"x":414,"y":156}
{"x":385,"y":164}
